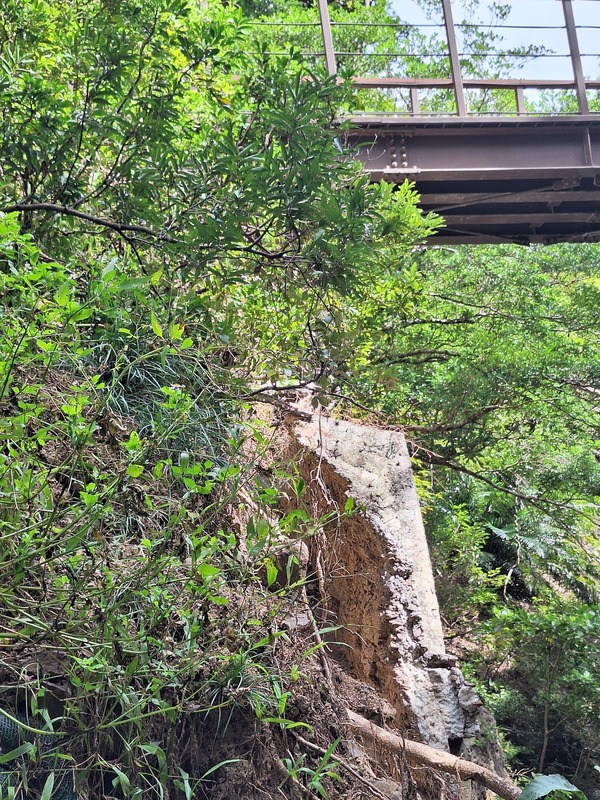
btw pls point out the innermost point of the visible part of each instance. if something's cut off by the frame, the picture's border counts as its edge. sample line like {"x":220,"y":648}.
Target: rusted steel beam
{"x":480,"y":174}
{"x":474,"y":150}
{"x":526,"y":218}
{"x":470,"y":83}
{"x":327,"y":37}
{"x":403,"y":83}
{"x":401,"y":122}
{"x":547,"y":196}
{"x":487,"y":237}
{"x":414,"y":101}
{"x":575,"y":57}
{"x":518,"y":180}
{"x":461,"y":105}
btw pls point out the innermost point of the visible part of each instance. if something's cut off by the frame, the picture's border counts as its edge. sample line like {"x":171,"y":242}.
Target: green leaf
{"x":48,"y":787}
{"x":61,"y":297}
{"x":155,"y":326}
{"x":288,"y":724}
{"x":272,"y":572}
{"x":219,"y":765}
{"x":121,"y":779}
{"x":185,"y":784}
{"x":218,"y":600}
{"x":542,"y":785}
{"x":154,"y":750}
{"x":135,"y":470}
{"x":207,"y":571}
{"x":176,"y":331}
{"x":21,"y":750}
{"x":262,"y":528}
{"x":134,"y":283}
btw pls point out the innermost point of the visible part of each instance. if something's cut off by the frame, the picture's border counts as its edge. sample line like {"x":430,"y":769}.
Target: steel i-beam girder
{"x":493,"y":180}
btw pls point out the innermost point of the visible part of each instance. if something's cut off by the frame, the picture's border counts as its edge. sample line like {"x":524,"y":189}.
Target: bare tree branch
{"x":120,"y":227}
{"x":417,"y":357}
{"x":275,"y":387}
{"x":442,"y":427}
{"x":438,"y":760}
{"x":543,"y":504}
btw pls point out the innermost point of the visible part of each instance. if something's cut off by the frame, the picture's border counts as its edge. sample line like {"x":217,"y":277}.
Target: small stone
{"x":390,"y":789}
{"x":296,"y":621}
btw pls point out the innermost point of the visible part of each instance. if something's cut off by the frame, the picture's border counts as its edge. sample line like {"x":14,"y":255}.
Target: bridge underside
{"x":503,"y":180}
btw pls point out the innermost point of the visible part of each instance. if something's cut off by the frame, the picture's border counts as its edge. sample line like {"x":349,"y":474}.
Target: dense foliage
{"x":180,"y":234}
{"x":177,"y":222}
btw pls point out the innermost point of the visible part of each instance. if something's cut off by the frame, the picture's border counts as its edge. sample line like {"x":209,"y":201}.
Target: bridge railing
{"x":415,"y":97}
{"x":517,"y":87}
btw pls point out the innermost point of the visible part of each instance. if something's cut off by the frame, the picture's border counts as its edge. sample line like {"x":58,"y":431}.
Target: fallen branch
{"x":423,"y":755}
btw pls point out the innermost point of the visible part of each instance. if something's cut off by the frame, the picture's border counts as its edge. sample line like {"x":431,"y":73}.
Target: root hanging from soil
{"x":423,"y":755}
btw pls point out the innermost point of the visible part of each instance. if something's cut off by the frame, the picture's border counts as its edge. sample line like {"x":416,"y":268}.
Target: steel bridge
{"x":501,"y":170}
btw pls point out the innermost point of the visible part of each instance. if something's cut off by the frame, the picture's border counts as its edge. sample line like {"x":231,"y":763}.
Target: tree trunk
{"x":423,"y":755}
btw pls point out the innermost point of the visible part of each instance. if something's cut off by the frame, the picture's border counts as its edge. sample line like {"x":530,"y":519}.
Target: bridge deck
{"x":493,"y":180}
{"x":518,"y":178}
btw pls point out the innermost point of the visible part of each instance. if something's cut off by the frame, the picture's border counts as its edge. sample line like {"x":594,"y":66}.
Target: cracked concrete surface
{"x":378,"y":572}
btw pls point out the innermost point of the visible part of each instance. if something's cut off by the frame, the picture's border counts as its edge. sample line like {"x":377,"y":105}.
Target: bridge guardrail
{"x":458,"y":83}
{"x":461,"y":93}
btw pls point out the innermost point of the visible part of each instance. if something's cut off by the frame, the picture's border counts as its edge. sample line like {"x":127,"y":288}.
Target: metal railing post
{"x":575,"y":57}
{"x":459,"y":91}
{"x":415,"y":107}
{"x":327,"y":37}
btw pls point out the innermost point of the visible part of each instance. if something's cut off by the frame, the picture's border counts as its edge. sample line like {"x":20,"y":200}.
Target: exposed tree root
{"x":338,"y":760}
{"x":423,"y":755}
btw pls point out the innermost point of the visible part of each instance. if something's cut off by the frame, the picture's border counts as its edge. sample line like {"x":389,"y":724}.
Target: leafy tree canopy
{"x":181,"y":232}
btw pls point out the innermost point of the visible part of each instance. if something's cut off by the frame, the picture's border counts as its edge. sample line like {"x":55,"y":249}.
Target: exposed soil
{"x":361,"y":630}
